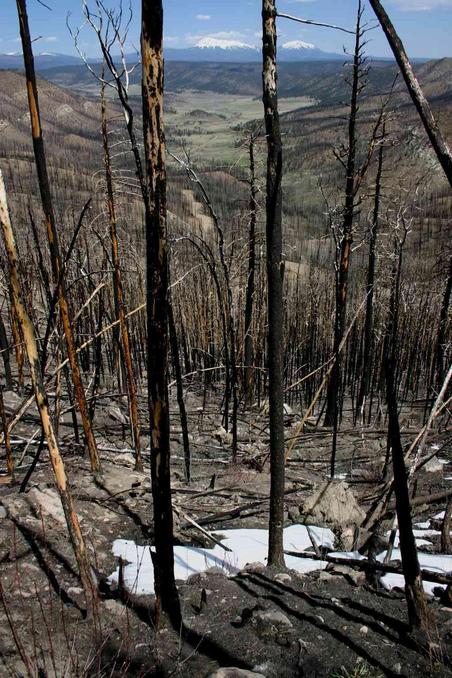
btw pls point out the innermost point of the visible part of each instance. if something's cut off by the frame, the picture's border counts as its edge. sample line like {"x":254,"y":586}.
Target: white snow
{"x":428,"y":561}
{"x":222,"y":43}
{"x":298,"y":44}
{"x":247,"y":546}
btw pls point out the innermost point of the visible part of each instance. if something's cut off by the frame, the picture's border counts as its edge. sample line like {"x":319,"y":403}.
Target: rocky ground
{"x":328,"y":623}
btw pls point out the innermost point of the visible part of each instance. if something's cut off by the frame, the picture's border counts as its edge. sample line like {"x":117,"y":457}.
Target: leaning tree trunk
{"x":28,"y":333}
{"x":440,"y":146}
{"x":55,"y":257}
{"x":157,"y":305}
{"x":414,"y":592}
{"x":118,"y":291}
{"x":275,"y":284}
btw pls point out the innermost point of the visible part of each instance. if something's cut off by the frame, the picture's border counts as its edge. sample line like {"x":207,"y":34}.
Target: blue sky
{"x":424,"y":25}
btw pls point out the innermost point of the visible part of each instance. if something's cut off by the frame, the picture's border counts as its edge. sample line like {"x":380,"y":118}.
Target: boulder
{"x":334,"y":504}
{"x":271,"y":623}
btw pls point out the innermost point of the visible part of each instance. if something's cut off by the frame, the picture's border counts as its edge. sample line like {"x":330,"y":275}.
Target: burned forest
{"x":225,"y":338}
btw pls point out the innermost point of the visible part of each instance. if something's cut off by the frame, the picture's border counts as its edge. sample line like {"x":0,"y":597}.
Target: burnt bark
{"x":439,"y":144}
{"x":167,"y":597}
{"x":345,"y":245}
{"x":42,"y":403}
{"x":414,"y":592}
{"x":5,"y":350}
{"x":371,"y":265}
{"x":250,"y":283}
{"x":119,"y":292}
{"x":275,"y":284}
{"x":52,"y":234}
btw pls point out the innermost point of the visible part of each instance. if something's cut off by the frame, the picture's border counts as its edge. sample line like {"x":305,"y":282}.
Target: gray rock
{"x":216,"y":570}
{"x":3,"y":512}
{"x":271,"y":624}
{"x":355,"y":577}
{"x":283,"y":578}
{"x":254,"y":567}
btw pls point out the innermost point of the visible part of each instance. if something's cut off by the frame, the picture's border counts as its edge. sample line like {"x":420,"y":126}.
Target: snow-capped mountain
{"x":298,"y":44}
{"x":225,"y":50}
{"x":208,"y":49}
{"x":222,"y":43}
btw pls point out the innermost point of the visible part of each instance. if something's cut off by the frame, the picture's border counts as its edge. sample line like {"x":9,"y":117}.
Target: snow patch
{"x":247,"y":546}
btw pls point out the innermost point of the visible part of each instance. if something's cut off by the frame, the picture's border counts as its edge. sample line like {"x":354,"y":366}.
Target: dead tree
{"x":437,"y":140}
{"x":6,"y":437}
{"x":345,"y":240}
{"x":250,"y":284}
{"x":371,"y":265}
{"x":118,"y":290}
{"x":275,"y":284}
{"x":42,"y":403}
{"x":157,"y":305}
{"x":179,"y":391}
{"x":5,"y":351}
{"x":414,"y":592}
{"x":440,"y":357}
{"x":52,"y":234}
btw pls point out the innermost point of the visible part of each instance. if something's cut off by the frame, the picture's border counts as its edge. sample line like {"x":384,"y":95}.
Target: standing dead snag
{"x":275,"y":284}
{"x":118,"y":290}
{"x":52,"y":234}
{"x":414,"y":592}
{"x":157,"y":305}
{"x":437,"y":140}
{"x":345,"y":240}
{"x":250,"y":283}
{"x":371,"y":265}
{"x":28,"y":333}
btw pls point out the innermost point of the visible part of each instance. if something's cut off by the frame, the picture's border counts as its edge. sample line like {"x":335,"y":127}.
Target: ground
{"x":332,"y":625}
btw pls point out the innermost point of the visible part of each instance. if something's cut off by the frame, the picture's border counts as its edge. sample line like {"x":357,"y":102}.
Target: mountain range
{"x":207,"y":50}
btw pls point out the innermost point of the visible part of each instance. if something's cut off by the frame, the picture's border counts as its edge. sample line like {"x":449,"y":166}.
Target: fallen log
{"x":373,"y":566}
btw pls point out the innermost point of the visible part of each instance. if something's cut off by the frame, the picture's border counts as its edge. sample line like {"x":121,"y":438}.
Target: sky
{"x":424,"y":25}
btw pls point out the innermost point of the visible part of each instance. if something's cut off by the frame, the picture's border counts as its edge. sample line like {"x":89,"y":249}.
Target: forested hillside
{"x":225,"y":371}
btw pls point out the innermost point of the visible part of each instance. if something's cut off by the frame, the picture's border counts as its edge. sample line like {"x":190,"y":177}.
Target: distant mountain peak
{"x":298,"y":44}
{"x":222,"y":43}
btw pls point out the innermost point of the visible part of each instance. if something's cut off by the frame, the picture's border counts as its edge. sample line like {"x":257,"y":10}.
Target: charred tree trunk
{"x":180,"y":392}
{"x":437,"y":140}
{"x":249,"y":350}
{"x":346,"y":239}
{"x":369,"y":320}
{"x":119,"y":293}
{"x":46,"y":199}
{"x":439,"y":366}
{"x":5,"y":349}
{"x":414,"y":592}
{"x":157,"y":305}
{"x":275,"y":285}
{"x":6,"y":437}
{"x":77,"y":540}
